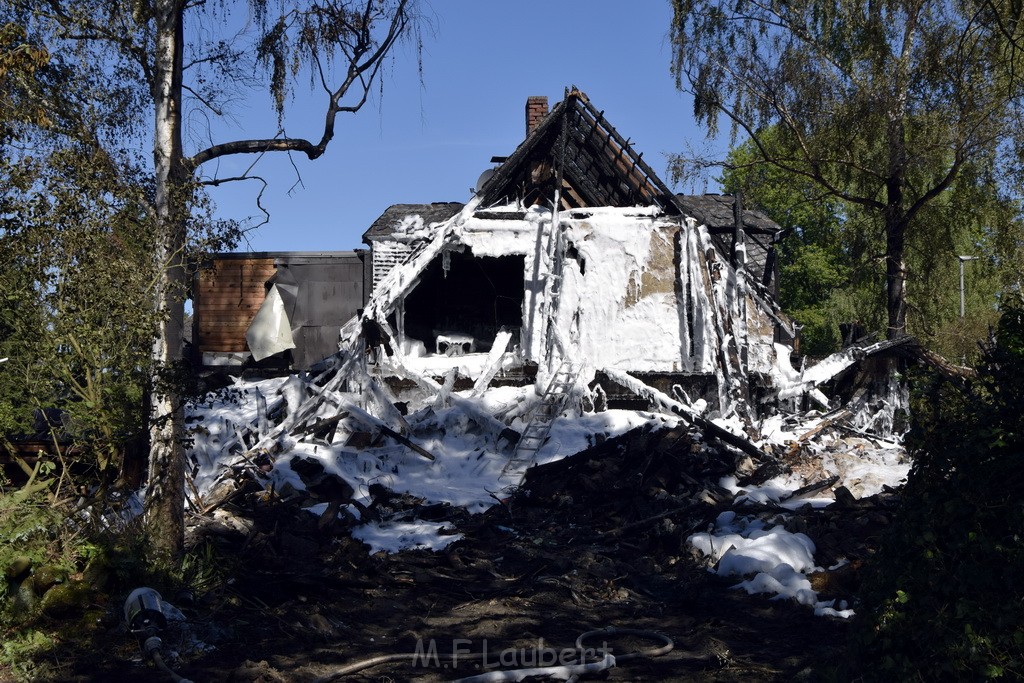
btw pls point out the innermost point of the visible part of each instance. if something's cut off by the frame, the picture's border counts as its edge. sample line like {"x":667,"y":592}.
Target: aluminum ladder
{"x":539,"y":427}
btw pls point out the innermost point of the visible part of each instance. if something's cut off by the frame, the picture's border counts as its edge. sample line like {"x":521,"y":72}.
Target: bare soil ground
{"x":594,"y":541}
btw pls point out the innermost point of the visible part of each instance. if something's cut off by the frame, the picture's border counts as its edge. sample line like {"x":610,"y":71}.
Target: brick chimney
{"x":536,"y":110}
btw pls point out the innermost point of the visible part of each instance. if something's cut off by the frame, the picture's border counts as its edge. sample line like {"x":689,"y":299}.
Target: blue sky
{"x":429,"y":142}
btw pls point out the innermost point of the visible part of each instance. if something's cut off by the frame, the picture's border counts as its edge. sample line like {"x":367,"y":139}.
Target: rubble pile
{"x":653,"y":489}
{"x":602,"y":537}
{"x":426,"y":516}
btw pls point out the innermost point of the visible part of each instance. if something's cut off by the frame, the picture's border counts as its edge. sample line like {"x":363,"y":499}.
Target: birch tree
{"x":165,"y":58}
{"x":832,"y":256}
{"x":881,"y":104}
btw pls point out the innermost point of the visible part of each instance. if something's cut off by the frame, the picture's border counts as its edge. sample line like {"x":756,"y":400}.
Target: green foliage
{"x":77,"y":320}
{"x":20,"y":59}
{"x":76,"y":281}
{"x":22,"y":652}
{"x":831,"y":270}
{"x":58,"y":567}
{"x":944,"y":601}
{"x":8,"y":417}
{"x":32,"y":531}
{"x":77,"y":290}
{"x":28,"y":526}
{"x":206,"y":568}
{"x":325,"y":33}
{"x":815,"y":262}
{"x":903,"y":113}
{"x":132,"y":71}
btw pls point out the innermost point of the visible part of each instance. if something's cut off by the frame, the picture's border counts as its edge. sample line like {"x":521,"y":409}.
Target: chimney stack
{"x":536,"y":110}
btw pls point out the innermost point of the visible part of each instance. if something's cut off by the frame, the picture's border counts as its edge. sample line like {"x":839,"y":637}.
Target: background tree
{"x":817,"y":258}
{"x":882,"y":105}
{"x":77,"y":278}
{"x":164,"y":58}
{"x":19,"y":62}
{"x":832,"y":256}
{"x":78,"y":274}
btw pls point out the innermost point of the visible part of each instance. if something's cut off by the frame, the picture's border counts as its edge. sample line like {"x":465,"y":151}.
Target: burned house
{"x":572,"y":252}
{"x":575,"y":249}
{"x":572,"y":282}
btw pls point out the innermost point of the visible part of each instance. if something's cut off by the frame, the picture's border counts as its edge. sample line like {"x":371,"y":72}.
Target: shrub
{"x":944,"y":601}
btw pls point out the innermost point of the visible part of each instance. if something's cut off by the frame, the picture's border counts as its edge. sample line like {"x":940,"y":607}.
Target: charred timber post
{"x":688,"y":415}
{"x":320,"y":424}
{"x":737,"y":228}
{"x":769,"y":268}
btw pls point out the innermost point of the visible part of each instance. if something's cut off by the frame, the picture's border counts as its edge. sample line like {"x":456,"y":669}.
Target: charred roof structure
{"x":576,"y":144}
{"x":575,"y":194}
{"x":600,"y":168}
{"x":577,"y":148}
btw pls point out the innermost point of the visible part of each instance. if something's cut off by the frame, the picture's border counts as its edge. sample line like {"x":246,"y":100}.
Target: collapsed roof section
{"x":720,"y":214}
{"x":577,"y":149}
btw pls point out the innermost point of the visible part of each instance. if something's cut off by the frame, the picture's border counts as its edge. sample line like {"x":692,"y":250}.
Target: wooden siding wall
{"x":226,"y":297}
{"x":386,"y":256}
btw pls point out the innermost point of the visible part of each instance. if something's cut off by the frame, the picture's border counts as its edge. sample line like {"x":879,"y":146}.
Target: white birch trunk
{"x":165,"y":521}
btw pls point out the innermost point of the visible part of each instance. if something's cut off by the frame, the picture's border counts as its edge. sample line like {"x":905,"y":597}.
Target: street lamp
{"x":963,"y":259}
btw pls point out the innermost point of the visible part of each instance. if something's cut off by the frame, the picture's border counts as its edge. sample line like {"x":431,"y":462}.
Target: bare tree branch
{"x":206,"y":103}
{"x":364,"y":58}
